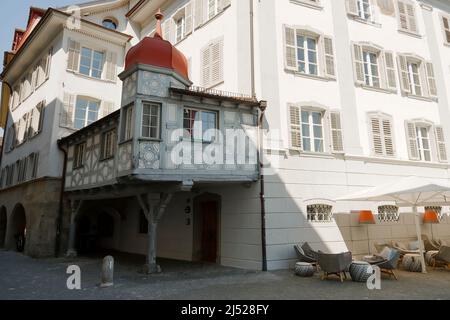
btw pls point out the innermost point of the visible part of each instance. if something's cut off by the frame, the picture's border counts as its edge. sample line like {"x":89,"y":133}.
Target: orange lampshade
{"x":430,"y":216}
{"x":366,"y":217}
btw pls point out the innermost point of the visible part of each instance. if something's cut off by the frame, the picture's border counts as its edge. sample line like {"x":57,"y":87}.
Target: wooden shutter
{"x":48,"y":63}
{"x":441,"y":145}
{"x":411,"y":16}
{"x":74,"y":56}
{"x":388,"y":138}
{"x":411,"y":136}
{"x":188,"y":18}
{"x":337,"y":143}
{"x":358,"y":63}
{"x":35,"y":166}
{"x":290,"y":48}
{"x":67,"y":110}
{"x":41,"y":109}
{"x":217,"y":62}
{"x":431,"y":80}
{"x":446,"y":24}
{"x":295,"y":127}
{"x":206,"y":66}
{"x":111,"y":66}
{"x":377,"y":139}
{"x":352,"y":7}
{"x":107,"y":108}
{"x":198,"y":13}
{"x":330,"y":70}
{"x":403,"y":72}
{"x":423,"y":79}
{"x":402,"y":16}
{"x":391,"y":82}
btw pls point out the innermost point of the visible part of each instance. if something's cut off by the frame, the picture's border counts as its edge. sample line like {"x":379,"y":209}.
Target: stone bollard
{"x":107,"y":272}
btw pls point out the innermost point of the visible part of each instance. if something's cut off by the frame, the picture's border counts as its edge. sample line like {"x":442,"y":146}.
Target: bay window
{"x":200,"y":125}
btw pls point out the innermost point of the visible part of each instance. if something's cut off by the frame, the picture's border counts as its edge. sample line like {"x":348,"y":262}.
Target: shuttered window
{"x":78,"y":157}
{"x":441,"y":145}
{"x":337,"y":142}
{"x":426,"y":142}
{"x":417,"y":76}
{"x":407,"y":16}
{"x":212,"y":64}
{"x":446,"y":27}
{"x":309,"y":53}
{"x":382,"y":135}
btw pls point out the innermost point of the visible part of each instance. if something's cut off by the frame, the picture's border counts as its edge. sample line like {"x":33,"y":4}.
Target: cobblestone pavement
{"x":24,"y":278}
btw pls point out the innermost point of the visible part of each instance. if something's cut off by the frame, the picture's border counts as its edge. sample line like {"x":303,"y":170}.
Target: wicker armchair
{"x":390,"y":263}
{"x":442,"y":258}
{"x":303,"y":257}
{"x":334,"y":264}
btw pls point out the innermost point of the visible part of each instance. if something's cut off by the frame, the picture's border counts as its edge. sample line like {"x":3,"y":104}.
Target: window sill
{"x":422,"y":98}
{"x":367,"y":22}
{"x":89,"y":77}
{"x":150,"y":139}
{"x":309,"y":76}
{"x":381,"y":90}
{"x":409,"y":33}
{"x":298,"y":152}
{"x":307,"y":4}
{"x":214,"y":85}
{"x":125,"y":141}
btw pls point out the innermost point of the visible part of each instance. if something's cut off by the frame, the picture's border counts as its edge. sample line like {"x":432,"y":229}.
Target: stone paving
{"x":24,"y":278}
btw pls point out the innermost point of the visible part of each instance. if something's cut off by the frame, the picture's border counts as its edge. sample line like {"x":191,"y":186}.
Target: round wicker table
{"x":304,"y":269}
{"x":359,"y":271}
{"x":411,"y":262}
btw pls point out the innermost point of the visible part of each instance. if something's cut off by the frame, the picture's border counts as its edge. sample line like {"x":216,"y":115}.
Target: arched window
{"x":110,"y":24}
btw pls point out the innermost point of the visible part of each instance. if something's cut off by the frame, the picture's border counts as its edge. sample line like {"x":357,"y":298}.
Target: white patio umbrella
{"x":408,"y":192}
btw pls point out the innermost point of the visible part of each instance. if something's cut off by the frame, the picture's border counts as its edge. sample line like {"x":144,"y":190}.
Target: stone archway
{"x":17,"y":229}
{"x":3,"y":225}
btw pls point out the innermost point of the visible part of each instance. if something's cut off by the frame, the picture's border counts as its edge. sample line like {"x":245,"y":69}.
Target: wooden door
{"x":209,"y":214}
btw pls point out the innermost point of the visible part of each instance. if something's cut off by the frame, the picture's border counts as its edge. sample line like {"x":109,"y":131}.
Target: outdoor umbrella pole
{"x":419,"y":238}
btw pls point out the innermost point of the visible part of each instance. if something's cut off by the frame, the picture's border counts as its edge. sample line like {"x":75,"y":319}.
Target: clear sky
{"x":14,"y":14}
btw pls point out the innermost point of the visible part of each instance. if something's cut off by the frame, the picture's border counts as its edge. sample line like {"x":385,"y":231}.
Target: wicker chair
{"x":442,"y":258}
{"x":334,"y":264}
{"x":403,"y":249}
{"x":303,"y":257}
{"x":390,"y":263}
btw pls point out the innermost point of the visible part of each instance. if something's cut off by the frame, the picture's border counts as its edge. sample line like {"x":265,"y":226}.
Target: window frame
{"x":362,"y":13}
{"x":192,"y":135}
{"x":78,"y":157}
{"x":150,"y":115}
{"x":413,"y":86}
{"x":407,"y":30}
{"x":420,"y":146}
{"x":91,"y":62}
{"x":86,"y":120}
{"x":312,"y":137}
{"x":306,"y":50}
{"x":444,"y":29}
{"x":110,"y":134}
{"x":367,"y":52}
{"x":128,"y":123}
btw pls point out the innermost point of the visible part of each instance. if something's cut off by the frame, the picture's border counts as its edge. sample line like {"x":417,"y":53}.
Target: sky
{"x":14,"y":14}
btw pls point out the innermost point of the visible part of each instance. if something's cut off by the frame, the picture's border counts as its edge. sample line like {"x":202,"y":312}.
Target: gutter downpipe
{"x":61,"y":202}
{"x":6,"y":121}
{"x":262,"y":109}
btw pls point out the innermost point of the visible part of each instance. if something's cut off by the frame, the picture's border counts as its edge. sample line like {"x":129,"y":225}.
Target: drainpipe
{"x":262,"y":109}
{"x":61,"y":201}
{"x":6,"y":122}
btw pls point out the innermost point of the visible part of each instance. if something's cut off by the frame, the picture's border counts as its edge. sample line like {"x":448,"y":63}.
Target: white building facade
{"x":357,"y":94}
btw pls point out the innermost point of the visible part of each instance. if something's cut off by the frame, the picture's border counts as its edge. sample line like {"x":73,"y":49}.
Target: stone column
{"x":75,"y":208}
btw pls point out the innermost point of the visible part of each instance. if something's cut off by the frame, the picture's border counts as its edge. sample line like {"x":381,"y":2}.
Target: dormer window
{"x":110,"y":24}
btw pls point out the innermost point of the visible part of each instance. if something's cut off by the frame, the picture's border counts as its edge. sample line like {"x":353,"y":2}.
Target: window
{"x":109,"y":143}
{"x":150,"y":120}
{"x":212,"y":62}
{"x":312,"y":131}
{"x":388,"y":214}
{"x":78,"y":156}
{"x":364,"y":10}
{"x":91,"y":62}
{"x":371,"y":69}
{"x":129,"y":127}
{"x":309,"y":3}
{"x":110,"y":24}
{"x":212,"y":8}
{"x":310,"y":53}
{"x":143,"y":223}
{"x":381,"y":129}
{"x":374,"y":67}
{"x":307,"y":130}
{"x":86,"y":112}
{"x":320,"y":213}
{"x":16,"y":97}
{"x":423,"y":143}
{"x":417,"y":77}
{"x":407,"y":16}
{"x":181,"y":26}
{"x":36,"y":120}
{"x":200,"y":125}
{"x":446,"y":27}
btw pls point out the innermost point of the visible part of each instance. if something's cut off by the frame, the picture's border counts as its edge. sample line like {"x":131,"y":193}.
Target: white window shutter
{"x":199,"y":16}
{"x":431,"y":80}
{"x":411,"y":136}
{"x":391,"y":80}
{"x":403,"y":17}
{"x":352,"y":7}
{"x":107,"y":108}
{"x":35,"y":116}
{"x":330,"y":70}
{"x":41,"y":110}
{"x":388,"y":137}
{"x":424,"y":79}
{"x":48,"y":63}
{"x":188,"y":15}
{"x":441,"y":145}
{"x":111,"y":66}
{"x":403,"y":73}
{"x":74,"y":56}
{"x":172,"y":31}
{"x":67,"y":111}
{"x":411,"y":15}
{"x":376,"y":134}
{"x":206,"y":66}
{"x":337,"y":142}
{"x":358,"y":63}
{"x":374,"y":12}
{"x":295,"y":127}
{"x":290,"y":49}
{"x":446,"y":29}
{"x":217,"y":62}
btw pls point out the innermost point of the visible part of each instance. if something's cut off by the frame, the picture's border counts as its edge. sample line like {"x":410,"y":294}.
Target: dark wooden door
{"x":209,"y":214}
